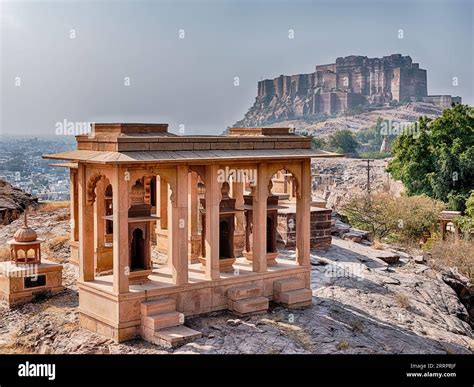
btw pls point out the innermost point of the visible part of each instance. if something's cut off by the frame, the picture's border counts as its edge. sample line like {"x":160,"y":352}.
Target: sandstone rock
{"x":13,"y":201}
{"x":391,"y":259}
{"x":419,"y":259}
{"x":352,"y":236}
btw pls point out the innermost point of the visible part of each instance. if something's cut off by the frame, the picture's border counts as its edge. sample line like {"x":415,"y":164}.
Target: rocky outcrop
{"x":13,"y":201}
{"x":464,"y":290}
{"x":339,"y":180}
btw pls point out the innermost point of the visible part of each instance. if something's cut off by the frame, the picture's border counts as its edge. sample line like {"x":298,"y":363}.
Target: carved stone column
{"x":259,"y":223}
{"x":194,"y":250}
{"x":162,"y":211}
{"x":212,"y":270}
{"x":239,"y":234}
{"x":121,"y":247}
{"x":86,"y":228}
{"x":179,"y":227}
{"x":303,"y":215}
{"x":74,"y":205}
{"x":99,"y":222}
{"x":74,"y":211}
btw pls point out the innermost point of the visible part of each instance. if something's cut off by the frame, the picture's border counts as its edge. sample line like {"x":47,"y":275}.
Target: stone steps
{"x":243,"y":292}
{"x":246,"y":300}
{"x":249,"y":306}
{"x":161,"y":324}
{"x":288,"y":284}
{"x":149,"y":308}
{"x":179,"y":335}
{"x":292,"y":293}
{"x":171,"y":337}
{"x":163,"y":320}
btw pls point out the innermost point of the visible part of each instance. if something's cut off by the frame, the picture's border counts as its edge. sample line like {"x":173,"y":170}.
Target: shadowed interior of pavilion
{"x":156,"y":273}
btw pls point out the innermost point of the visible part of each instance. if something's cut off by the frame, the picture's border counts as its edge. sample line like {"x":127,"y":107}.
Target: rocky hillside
{"x":338,"y":180}
{"x":12,"y":202}
{"x":273,"y":116}
{"x":361,"y":304}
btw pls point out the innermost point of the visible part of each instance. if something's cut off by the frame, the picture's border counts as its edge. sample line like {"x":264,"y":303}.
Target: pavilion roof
{"x":129,"y":143}
{"x":162,"y":156}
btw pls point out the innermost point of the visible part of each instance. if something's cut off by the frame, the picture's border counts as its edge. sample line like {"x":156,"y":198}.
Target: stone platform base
{"x":20,"y":284}
{"x":121,"y":316}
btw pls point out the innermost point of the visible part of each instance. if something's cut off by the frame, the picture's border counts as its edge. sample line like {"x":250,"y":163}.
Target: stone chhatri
{"x":136,"y":184}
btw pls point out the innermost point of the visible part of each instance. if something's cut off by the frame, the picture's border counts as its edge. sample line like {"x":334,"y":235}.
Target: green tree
{"x":318,"y":143}
{"x":343,"y":141}
{"x":466,"y":222}
{"x":439,"y":160}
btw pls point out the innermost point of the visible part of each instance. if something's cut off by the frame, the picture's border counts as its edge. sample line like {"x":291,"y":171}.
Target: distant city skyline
{"x":196,"y":64}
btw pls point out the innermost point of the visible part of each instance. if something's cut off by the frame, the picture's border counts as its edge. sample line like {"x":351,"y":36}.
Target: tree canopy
{"x":343,"y":141}
{"x":438,"y":159}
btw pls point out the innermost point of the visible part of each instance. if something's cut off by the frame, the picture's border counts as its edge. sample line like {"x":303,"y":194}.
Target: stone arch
{"x":200,"y":170}
{"x":92,"y":184}
{"x":169,"y":174}
{"x":294,"y":169}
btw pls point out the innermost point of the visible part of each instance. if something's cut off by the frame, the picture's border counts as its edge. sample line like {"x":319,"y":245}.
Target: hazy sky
{"x":48,"y":77}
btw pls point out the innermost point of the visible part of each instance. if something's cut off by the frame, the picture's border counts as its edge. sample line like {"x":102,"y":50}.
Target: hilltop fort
{"x":352,"y":81}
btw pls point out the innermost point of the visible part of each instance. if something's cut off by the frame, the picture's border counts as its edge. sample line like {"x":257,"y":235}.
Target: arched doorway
{"x":137,"y":250}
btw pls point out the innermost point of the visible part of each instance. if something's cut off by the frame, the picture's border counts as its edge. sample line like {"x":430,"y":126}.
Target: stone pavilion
{"x":208,"y":204}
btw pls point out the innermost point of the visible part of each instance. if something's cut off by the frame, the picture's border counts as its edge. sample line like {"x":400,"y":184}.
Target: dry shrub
{"x":455,"y":254}
{"x":404,"y":219}
{"x":377,"y":245}
{"x":402,"y":300}
{"x":62,"y":217}
{"x":52,"y":206}
{"x":343,"y":345}
{"x":4,"y":254}
{"x":58,"y":243}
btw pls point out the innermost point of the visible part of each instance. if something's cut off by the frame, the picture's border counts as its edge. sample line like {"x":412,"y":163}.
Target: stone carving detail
{"x":91,"y":184}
